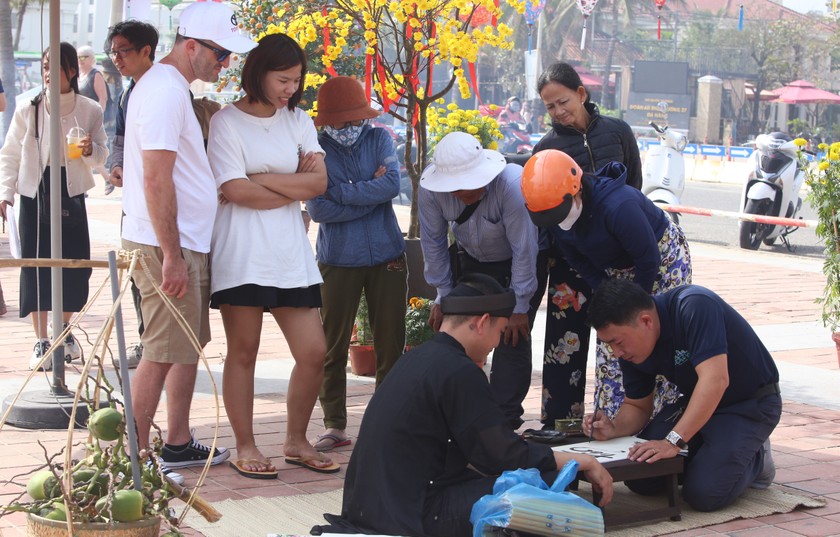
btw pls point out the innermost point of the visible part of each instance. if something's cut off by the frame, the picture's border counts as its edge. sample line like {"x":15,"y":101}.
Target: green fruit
{"x":43,"y":486}
{"x":106,"y":424}
{"x":58,"y":512}
{"x":83,"y":477}
{"x":127,"y":506}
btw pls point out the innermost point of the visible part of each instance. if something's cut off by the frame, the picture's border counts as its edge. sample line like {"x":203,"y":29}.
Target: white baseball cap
{"x":215,"y":22}
{"x":460,"y":163}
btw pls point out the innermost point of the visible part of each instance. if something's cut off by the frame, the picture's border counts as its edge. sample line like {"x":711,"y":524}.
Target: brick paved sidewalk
{"x":806,"y":443}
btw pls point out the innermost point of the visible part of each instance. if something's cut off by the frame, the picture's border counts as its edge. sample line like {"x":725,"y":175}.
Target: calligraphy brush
{"x":594,"y":415}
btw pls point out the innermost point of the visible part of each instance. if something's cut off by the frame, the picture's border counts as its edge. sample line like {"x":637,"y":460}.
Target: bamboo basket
{"x":37,"y":526}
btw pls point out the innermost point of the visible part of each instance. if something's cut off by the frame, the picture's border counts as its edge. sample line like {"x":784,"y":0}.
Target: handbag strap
{"x":467,"y":212}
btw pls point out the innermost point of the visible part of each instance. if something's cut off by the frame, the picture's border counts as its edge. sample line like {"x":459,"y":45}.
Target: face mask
{"x":572,"y":217}
{"x":346,"y":136}
{"x":515,"y":106}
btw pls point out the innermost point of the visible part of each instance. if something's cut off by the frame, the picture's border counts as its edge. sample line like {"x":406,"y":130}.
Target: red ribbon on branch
{"x":326,"y":32}
{"x":474,"y":82}
{"x":432,"y":35}
{"x":368,"y":74}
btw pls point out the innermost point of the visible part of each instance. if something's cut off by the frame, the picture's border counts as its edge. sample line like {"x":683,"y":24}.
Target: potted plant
{"x":443,"y":120}
{"x":97,"y":494}
{"x":417,"y":329}
{"x":103,"y":493}
{"x":362,"y":355}
{"x":823,"y":179}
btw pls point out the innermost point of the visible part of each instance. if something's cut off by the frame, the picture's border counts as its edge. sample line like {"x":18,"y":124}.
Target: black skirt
{"x":268,"y":298}
{"x":35,"y":284}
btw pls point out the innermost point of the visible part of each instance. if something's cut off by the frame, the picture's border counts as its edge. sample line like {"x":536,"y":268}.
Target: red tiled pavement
{"x":806,"y":443}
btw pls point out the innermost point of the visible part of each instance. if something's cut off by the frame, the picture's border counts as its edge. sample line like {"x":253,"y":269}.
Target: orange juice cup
{"x":76,"y":135}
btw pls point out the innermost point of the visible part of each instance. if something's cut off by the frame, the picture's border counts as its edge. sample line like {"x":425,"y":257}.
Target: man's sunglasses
{"x":121,"y":52}
{"x":221,"y":53}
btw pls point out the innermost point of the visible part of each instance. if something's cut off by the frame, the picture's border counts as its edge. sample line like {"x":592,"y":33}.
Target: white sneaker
{"x":768,"y":471}
{"x":175,"y":477}
{"x":72,"y":349}
{"x":38,"y":352}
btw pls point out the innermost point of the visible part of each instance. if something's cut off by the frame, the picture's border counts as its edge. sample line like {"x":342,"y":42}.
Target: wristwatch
{"x":675,"y":438}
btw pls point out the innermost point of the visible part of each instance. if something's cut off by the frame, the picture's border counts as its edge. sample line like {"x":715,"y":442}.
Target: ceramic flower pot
{"x":37,"y":526}
{"x":363,"y":360}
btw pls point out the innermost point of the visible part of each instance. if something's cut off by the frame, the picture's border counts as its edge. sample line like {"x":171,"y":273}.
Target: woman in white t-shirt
{"x":266,"y":159}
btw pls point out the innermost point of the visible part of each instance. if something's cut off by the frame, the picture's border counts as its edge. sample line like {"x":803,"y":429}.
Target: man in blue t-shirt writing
{"x":730,"y":389}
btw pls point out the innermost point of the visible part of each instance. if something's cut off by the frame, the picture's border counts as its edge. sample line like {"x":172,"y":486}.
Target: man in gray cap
{"x":473,"y":193}
{"x":433,"y":440}
{"x":170,"y":203}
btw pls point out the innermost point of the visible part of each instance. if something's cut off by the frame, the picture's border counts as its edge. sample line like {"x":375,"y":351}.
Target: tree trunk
{"x":7,"y":62}
{"x":605,"y":88}
{"x":21,"y":6}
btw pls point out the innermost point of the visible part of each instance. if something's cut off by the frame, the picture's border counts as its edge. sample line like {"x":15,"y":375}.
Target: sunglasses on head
{"x":221,"y":53}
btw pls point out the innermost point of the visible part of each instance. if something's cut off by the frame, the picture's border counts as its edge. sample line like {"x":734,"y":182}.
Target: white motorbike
{"x":663,"y":172}
{"x":772,"y":189}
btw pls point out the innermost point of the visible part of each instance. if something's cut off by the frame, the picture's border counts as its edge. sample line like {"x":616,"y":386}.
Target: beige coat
{"x":20,"y":169}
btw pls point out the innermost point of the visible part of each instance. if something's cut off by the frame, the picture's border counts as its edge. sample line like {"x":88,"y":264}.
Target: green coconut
{"x":106,"y":424}
{"x":84,"y":476}
{"x":56,"y":511}
{"x":43,"y":486}
{"x":127,"y":506}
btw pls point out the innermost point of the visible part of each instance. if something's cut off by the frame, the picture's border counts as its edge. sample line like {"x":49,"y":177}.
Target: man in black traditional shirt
{"x":433,"y":439}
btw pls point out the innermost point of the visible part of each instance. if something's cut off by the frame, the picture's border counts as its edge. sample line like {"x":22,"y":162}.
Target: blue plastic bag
{"x":522,"y":501}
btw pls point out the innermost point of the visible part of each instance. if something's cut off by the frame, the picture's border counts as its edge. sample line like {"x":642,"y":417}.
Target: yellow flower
{"x":472,"y":129}
{"x":823,"y":146}
{"x":800,"y":142}
{"x":493,"y":146}
{"x":452,"y":106}
{"x":823,"y":165}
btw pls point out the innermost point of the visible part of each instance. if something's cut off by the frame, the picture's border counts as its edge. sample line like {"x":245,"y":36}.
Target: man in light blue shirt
{"x":473,"y":193}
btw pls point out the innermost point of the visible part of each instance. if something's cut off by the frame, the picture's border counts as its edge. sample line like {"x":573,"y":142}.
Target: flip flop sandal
{"x":309,"y":464}
{"x":239,"y":464}
{"x":328,"y":442}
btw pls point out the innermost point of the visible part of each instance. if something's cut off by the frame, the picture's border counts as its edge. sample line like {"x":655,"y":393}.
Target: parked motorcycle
{"x":772,"y":189}
{"x":517,"y":139}
{"x":663,"y":172}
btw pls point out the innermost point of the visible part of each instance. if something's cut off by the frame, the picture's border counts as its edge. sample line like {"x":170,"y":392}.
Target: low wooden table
{"x":627,"y":470}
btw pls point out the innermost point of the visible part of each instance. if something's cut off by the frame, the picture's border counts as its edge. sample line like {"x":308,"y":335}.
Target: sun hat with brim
{"x":460,"y":163}
{"x":216,"y":22}
{"x":342,"y":99}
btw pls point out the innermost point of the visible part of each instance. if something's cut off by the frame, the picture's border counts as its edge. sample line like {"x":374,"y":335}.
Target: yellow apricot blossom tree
{"x":404,"y":43}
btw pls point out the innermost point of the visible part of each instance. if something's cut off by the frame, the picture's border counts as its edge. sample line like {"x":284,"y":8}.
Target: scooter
{"x":663,"y":172}
{"x":517,"y":139}
{"x":772,"y":189}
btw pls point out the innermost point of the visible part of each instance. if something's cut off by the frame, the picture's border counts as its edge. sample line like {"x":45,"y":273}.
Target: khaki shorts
{"x":164,"y":340}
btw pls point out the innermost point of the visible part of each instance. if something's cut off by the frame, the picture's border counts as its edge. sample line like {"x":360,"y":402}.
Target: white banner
{"x":532,"y":71}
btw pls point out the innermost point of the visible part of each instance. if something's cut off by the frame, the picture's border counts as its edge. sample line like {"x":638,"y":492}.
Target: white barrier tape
{"x":761,"y":219}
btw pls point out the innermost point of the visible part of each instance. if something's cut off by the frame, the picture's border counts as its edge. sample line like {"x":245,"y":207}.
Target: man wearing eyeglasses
{"x":169,"y":200}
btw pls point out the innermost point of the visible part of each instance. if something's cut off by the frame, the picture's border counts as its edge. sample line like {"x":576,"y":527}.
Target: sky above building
{"x":805,"y":6}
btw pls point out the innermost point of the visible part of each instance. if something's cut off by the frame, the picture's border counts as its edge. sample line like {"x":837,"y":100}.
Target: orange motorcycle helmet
{"x":550,"y":180}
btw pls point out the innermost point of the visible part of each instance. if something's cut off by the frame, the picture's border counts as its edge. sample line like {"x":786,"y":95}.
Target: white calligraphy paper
{"x":616,"y":449}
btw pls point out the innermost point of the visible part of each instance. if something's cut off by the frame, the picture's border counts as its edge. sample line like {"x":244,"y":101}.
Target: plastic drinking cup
{"x":76,"y":135}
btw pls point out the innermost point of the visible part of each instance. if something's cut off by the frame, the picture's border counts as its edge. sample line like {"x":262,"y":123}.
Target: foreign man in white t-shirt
{"x":169,"y":217}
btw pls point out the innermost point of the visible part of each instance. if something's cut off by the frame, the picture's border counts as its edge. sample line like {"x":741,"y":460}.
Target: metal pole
{"x":56,"y":158}
{"x":126,"y":383}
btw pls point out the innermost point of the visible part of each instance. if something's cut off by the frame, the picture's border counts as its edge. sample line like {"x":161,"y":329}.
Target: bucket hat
{"x":215,"y":22}
{"x":460,"y":163}
{"x":342,"y":99}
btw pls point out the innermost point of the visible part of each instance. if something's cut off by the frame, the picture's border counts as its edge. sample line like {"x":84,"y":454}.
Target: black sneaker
{"x":194,"y":454}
